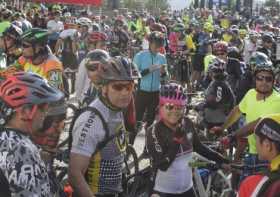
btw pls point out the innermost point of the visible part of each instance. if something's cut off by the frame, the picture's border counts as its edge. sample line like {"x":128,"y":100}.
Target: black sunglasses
{"x":92,"y":67}
{"x":264,"y":78}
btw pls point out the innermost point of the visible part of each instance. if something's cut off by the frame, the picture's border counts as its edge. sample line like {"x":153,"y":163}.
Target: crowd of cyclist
{"x":133,"y":68}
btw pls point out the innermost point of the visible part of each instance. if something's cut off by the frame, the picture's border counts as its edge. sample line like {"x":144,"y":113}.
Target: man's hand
{"x":216,"y":130}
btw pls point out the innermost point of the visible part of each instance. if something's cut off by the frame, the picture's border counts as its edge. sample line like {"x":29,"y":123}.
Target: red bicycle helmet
{"x":220,"y":48}
{"x":27,"y":88}
{"x":97,"y":36}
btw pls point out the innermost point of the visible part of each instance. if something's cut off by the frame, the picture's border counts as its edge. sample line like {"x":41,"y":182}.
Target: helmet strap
{"x":106,"y":101}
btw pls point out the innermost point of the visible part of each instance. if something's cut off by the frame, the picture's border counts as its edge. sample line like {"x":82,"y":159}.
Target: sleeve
{"x":161,"y":160}
{"x":136,"y":60}
{"x":205,"y":151}
{"x":243,"y":103}
{"x":82,"y":81}
{"x":87,"y":132}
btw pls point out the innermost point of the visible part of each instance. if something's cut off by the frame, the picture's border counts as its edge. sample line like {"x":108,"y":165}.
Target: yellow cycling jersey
{"x":189,"y":42}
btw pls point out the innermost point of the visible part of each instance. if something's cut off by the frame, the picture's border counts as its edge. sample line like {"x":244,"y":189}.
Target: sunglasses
{"x":92,"y":67}
{"x":264,"y":78}
{"x":26,"y":45}
{"x":171,"y":106}
{"x":120,"y":87}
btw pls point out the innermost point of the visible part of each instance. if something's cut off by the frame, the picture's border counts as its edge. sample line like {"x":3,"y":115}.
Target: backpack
{"x":107,"y":137}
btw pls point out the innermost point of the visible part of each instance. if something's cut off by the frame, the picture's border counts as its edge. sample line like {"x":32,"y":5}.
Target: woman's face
{"x":171,"y":113}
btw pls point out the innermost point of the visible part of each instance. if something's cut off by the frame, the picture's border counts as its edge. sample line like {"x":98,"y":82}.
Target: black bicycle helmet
{"x":260,"y":62}
{"x":35,"y":36}
{"x":157,"y":38}
{"x":119,"y":69}
{"x":267,"y":37}
{"x":269,"y":127}
{"x":216,"y":66}
{"x":13,"y":31}
{"x":233,"y":52}
{"x":94,"y":56}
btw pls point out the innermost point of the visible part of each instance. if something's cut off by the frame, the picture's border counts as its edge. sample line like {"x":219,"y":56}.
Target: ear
{"x":267,"y":144}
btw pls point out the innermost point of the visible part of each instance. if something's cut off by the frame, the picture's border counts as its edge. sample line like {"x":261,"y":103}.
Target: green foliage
{"x":272,"y":3}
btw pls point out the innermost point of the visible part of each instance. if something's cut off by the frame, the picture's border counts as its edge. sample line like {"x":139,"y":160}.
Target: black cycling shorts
{"x":198,"y":62}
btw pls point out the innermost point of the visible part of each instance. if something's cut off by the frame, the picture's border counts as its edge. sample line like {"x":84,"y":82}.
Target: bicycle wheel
{"x":219,"y":185}
{"x":131,"y":161}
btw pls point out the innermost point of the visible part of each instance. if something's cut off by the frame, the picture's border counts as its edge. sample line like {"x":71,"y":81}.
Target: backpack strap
{"x":272,"y":178}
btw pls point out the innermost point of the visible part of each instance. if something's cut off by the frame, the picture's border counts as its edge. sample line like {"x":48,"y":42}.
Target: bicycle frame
{"x":201,"y":189}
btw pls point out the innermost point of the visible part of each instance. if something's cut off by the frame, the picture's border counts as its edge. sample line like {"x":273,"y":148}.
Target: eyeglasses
{"x":26,"y":45}
{"x":171,"y":106}
{"x":119,"y":87}
{"x":92,"y":67}
{"x":264,"y":78}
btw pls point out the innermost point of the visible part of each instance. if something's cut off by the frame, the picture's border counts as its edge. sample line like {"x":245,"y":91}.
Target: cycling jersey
{"x":144,"y":59}
{"x":104,"y":172}
{"x":189,"y":42}
{"x":50,"y":69}
{"x":255,"y":109}
{"x":21,"y":163}
{"x":174,"y":175}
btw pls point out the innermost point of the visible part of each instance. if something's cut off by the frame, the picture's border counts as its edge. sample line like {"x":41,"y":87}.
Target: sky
{"x":179,"y":4}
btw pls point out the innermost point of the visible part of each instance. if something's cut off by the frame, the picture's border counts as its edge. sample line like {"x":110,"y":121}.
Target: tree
{"x":156,"y":4}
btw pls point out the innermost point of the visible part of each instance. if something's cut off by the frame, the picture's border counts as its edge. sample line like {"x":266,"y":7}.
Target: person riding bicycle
{"x":250,"y":46}
{"x":96,"y":40}
{"x":267,"y":184}
{"x":119,"y":38}
{"x":170,"y":143}
{"x":9,"y":43}
{"x":103,"y":168}
{"x":152,"y":66}
{"x":93,"y":63}
{"x":267,"y":44}
{"x":258,"y":102}
{"x":219,"y":97}
{"x":25,"y":99}
{"x":67,"y":49}
{"x":37,"y":57}
{"x":84,"y":24}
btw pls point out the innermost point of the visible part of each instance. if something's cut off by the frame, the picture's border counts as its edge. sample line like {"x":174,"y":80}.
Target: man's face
{"x":119,"y":93}
{"x":39,"y":117}
{"x":6,"y":42}
{"x":154,"y":48}
{"x":264,"y":81}
{"x":267,"y":45}
{"x":27,"y":50}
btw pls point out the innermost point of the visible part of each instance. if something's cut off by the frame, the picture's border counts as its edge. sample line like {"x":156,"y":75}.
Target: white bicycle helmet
{"x":83,"y":21}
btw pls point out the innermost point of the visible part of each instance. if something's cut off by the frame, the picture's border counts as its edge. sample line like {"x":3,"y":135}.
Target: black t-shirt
{"x":219,"y":95}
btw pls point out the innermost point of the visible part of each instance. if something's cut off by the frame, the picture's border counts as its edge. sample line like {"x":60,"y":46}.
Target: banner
{"x":79,"y":2}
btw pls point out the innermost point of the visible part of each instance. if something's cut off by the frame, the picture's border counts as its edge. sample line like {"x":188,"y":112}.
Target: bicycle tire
{"x":130,"y":151}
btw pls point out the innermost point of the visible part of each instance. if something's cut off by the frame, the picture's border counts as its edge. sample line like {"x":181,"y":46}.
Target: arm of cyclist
{"x":205,"y":151}
{"x":233,"y":116}
{"x":87,"y":133}
{"x":78,"y":166}
{"x":161,"y":147}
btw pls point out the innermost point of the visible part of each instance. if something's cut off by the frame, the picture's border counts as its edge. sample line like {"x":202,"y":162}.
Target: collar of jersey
{"x":275,"y":163}
{"x":107,"y":103}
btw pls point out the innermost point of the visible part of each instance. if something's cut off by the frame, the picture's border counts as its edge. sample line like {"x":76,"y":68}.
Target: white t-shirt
{"x":55,"y":26}
{"x":177,"y":178}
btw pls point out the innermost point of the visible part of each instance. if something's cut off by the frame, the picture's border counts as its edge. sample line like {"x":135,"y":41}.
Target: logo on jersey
{"x":121,"y":139}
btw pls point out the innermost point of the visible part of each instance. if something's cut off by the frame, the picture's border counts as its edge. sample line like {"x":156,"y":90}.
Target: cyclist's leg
{"x":151,"y":107}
